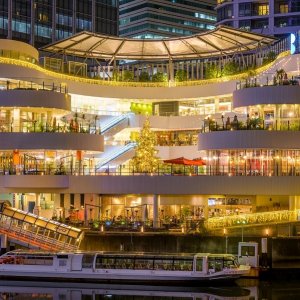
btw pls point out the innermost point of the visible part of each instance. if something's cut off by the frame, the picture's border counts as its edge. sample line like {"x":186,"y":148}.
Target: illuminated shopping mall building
{"x":68,"y":130}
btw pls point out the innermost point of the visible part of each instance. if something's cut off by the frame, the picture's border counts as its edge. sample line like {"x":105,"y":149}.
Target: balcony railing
{"x":276,"y":167}
{"x":30,"y":85}
{"x":35,"y":126}
{"x":253,"y":123}
{"x":275,"y":217}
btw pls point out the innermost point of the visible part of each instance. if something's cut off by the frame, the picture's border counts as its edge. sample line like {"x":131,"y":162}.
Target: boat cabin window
{"x":62,"y":260}
{"x":87,"y":260}
{"x":163,"y":263}
{"x":248,"y":250}
{"x":124,"y":263}
{"x":218,"y":263}
{"x":230,"y":262}
{"x":30,"y":260}
{"x":199,"y":264}
{"x":166,"y":263}
{"x":183,"y":264}
{"x":105,"y":262}
{"x":143,"y":263}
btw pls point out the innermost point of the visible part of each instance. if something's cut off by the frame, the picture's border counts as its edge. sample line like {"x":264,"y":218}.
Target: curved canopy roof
{"x":221,"y":41}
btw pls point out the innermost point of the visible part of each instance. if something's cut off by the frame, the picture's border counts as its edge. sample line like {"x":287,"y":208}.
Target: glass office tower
{"x":272,"y":17}
{"x":166,"y":18}
{"x":40,"y":22}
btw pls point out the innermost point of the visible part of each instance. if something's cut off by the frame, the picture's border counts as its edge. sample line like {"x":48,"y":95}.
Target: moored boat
{"x":116,"y":267}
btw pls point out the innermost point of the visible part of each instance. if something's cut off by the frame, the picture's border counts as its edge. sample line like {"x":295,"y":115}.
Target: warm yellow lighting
{"x":67,"y":77}
{"x":102,"y":228}
{"x":142,"y":228}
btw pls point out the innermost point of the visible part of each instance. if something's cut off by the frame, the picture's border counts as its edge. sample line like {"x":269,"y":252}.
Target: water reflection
{"x":67,"y":291}
{"x":245,"y":290}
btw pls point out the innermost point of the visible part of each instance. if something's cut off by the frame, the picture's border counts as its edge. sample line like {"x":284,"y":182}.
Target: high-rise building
{"x":165,"y":18}
{"x":40,"y":22}
{"x":276,"y":17}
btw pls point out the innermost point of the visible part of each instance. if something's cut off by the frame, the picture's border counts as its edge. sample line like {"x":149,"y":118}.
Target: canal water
{"x":242,"y":290}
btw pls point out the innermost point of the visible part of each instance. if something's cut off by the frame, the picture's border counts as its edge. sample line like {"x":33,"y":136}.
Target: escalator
{"x":36,"y":232}
{"x":112,"y":155}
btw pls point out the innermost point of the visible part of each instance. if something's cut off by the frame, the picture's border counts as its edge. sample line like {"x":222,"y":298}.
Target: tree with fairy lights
{"x":145,"y":160}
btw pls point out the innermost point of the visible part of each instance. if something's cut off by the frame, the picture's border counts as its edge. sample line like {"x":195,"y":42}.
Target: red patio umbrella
{"x":184,"y":161}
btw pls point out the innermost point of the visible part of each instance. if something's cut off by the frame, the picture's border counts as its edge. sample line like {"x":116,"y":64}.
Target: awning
{"x":218,"y":42}
{"x":185,"y":161}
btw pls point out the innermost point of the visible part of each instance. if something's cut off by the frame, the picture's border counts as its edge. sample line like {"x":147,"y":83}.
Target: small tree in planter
{"x":159,"y":77}
{"x":181,"y":75}
{"x":212,"y":71}
{"x":127,"y":76}
{"x":144,"y":77}
{"x":230,"y":68}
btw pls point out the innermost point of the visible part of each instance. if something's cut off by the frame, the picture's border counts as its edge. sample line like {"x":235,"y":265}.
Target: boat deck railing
{"x":36,"y":232}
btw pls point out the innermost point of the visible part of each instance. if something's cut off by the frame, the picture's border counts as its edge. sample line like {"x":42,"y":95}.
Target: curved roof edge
{"x":221,"y":41}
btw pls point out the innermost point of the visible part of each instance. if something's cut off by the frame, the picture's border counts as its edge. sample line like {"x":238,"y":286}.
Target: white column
{"x":37,"y":207}
{"x":156,"y":203}
{"x":16,"y":120}
{"x":171,"y":71}
{"x":294,"y":202}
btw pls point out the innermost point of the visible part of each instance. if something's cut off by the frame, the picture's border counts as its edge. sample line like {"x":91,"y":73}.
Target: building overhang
{"x":221,"y":41}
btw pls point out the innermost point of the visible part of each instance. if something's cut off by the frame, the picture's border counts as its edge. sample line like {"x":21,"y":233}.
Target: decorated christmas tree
{"x":145,"y":160}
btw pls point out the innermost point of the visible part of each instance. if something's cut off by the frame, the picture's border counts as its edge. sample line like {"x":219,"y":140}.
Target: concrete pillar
{"x":205,"y":210}
{"x":271,"y":16}
{"x":201,"y":70}
{"x":144,"y":213}
{"x":217,"y":101}
{"x":93,"y":15}
{"x":53,"y":37}
{"x":74,"y":18}
{"x":171,"y":71}
{"x":32,"y":22}
{"x":3,"y":238}
{"x":156,"y":203}
{"x":37,"y":207}
{"x":9,"y":20}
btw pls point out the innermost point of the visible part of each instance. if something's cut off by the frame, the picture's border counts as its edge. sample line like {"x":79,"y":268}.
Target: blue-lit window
{"x":205,"y":16}
{"x":84,"y":24}
{"x":3,"y":23}
{"x":21,"y":27}
{"x":64,"y":20}
{"x":43,"y":31}
{"x":62,"y":34}
{"x":128,"y":20}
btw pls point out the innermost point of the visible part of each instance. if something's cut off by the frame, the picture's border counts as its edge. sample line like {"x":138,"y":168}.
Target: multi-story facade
{"x":165,"y":18}
{"x":274,"y":17}
{"x":42,"y":22}
{"x":66,"y":140}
